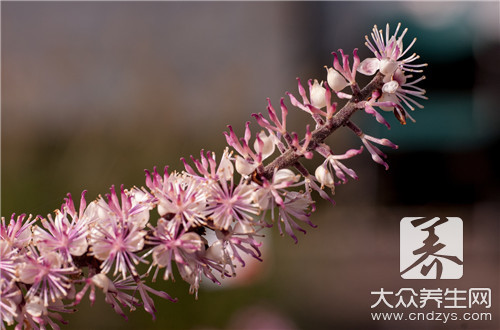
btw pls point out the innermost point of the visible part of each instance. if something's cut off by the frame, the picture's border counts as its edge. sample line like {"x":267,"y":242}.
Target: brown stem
{"x":290,"y":157}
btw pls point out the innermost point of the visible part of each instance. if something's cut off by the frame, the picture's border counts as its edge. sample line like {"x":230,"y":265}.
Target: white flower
{"x":324,"y":176}
{"x":243,"y":166}
{"x":318,"y":94}
{"x":369,"y":66}
{"x":397,"y":90}
{"x":335,"y":80}
{"x":216,"y":252}
{"x":388,"y":53}
{"x":46,"y":275}
{"x":225,"y":170}
{"x":390,"y":87}
{"x":264,"y":145}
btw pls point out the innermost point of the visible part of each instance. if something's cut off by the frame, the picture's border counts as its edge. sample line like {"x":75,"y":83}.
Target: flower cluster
{"x":397,"y":90}
{"x":205,"y":221}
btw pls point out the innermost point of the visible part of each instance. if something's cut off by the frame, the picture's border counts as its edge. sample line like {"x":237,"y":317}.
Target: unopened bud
{"x":216,"y":252}
{"x":318,"y":94}
{"x":400,"y":114}
{"x":285,"y":175}
{"x":243,"y":166}
{"x":369,"y":66}
{"x":194,"y":240}
{"x":388,"y":66}
{"x":335,"y":80}
{"x":390,"y":87}
{"x":267,"y":145}
{"x":226,"y":168}
{"x":387,"y":97}
{"x":324,"y":176}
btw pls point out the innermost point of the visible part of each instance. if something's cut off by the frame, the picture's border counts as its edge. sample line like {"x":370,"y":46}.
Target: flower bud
{"x":79,"y":246}
{"x":194,"y":241}
{"x":390,"y":87}
{"x":215,"y":252}
{"x":399,"y":76}
{"x":35,"y":307}
{"x":267,"y":146}
{"x":102,"y":281}
{"x":243,"y":166}
{"x":285,"y":175}
{"x":226,"y":168}
{"x":400,"y":114}
{"x":243,"y":228}
{"x":262,"y":199}
{"x":162,"y":209}
{"x":335,"y":80}
{"x":369,"y":66}
{"x":388,"y":66}
{"x":324,"y":176}
{"x":318,"y":94}
{"x":388,"y":97}
{"x":188,"y":272}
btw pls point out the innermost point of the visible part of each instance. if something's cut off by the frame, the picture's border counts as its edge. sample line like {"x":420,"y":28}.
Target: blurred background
{"x":93,"y":93}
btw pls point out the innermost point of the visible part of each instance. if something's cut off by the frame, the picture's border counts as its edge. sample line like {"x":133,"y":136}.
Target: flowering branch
{"x":319,"y":135}
{"x":208,"y":218}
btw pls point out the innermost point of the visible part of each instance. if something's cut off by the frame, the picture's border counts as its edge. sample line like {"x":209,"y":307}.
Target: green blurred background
{"x":95,"y":92}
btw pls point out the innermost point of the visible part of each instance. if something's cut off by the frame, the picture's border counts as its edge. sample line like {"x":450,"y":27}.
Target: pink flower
{"x":344,"y":68}
{"x":170,"y":245}
{"x":113,"y":292}
{"x":46,"y":275}
{"x":90,"y":282}
{"x":181,"y":198}
{"x":397,"y":90}
{"x":228,"y":204}
{"x":18,"y":232}
{"x":62,"y":235}
{"x":332,"y":164}
{"x":231,"y":243}
{"x":115,"y":244}
{"x":269,"y":193}
{"x":376,"y":153}
{"x":208,"y":168}
{"x":320,"y":97}
{"x":136,"y":284}
{"x":290,"y":204}
{"x":8,"y":261}
{"x":10,"y":298}
{"x":248,"y":160}
{"x":388,"y":53}
{"x":118,"y":233}
{"x":295,"y":206}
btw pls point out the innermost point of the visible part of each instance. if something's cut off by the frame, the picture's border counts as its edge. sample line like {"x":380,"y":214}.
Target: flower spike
{"x":207,"y":220}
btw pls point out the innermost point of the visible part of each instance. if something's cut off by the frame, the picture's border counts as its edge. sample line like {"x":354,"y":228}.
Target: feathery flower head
{"x":398,"y":91}
{"x":388,"y":53}
{"x":46,"y":274}
{"x":118,"y":233}
{"x":18,"y":232}
{"x":67,"y":237}
{"x":229,"y":203}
